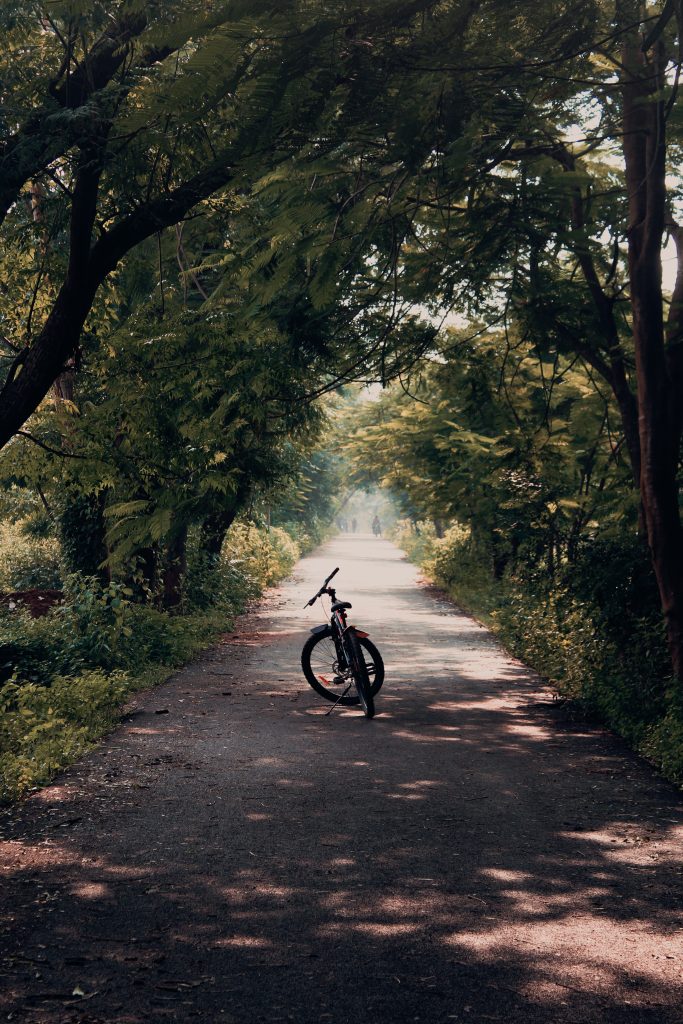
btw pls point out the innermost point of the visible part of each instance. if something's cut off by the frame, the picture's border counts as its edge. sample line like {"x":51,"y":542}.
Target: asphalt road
{"x":230,"y":854}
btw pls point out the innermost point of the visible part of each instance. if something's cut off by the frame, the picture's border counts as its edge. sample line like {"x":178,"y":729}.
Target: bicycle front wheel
{"x":359,"y":672}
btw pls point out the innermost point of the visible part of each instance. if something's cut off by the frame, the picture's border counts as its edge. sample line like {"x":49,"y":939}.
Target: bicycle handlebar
{"x":322,"y":589}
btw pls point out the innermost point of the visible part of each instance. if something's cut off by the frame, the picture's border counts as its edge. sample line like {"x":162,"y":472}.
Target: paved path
{"x":465,"y":856}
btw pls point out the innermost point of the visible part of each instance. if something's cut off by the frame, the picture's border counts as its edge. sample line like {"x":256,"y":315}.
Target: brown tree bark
{"x":644,"y":148}
{"x":37,"y":367}
{"x":174,"y":573}
{"x":217,"y":524}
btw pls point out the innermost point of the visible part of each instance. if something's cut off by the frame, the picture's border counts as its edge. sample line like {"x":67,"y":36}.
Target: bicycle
{"x":338,"y":656}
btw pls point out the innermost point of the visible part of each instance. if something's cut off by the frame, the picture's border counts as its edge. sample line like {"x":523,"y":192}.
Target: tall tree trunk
{"x":214,"y":529}
{"x":174,"y":573}
{"x":644,"y":147}
{"x":63,"y":387}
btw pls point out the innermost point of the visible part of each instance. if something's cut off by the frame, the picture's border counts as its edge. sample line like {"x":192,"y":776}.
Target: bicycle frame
{"x":338,"y":623}
{"x":350,"y":665}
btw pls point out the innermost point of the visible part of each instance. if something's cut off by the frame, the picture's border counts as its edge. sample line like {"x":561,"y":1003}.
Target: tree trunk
{"x":174,"y":574}
{"x":35,"y":369}
{"x":215,"y":527}
{"x":644,"y":147}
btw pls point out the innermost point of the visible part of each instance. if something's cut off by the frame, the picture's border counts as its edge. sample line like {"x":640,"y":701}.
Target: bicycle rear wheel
{"x":320,"y":662}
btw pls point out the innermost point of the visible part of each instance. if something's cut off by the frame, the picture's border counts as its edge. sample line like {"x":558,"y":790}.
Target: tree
{"x":152,"y":111}
{"x":548,"y":213}
{"x":517,"y":448}
{"x":658,"y":343}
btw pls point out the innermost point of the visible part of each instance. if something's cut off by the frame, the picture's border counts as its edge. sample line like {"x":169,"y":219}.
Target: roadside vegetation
{"x":594,"y":631}
{"x":65,"y":675}
{"x":514,"y":499}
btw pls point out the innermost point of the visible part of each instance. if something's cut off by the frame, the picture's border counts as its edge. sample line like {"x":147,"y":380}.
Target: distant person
{"x":354,"y":525}
{"x":376,"y":527}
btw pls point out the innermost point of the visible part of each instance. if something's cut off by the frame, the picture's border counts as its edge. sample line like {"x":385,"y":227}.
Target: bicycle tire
{"x":319,"y":657}
{"x":359,"y":672}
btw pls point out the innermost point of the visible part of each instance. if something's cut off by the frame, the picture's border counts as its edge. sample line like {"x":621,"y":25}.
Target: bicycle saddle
{"x":340,"y":604}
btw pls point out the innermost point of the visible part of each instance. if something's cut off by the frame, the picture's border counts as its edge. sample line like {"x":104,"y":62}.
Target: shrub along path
{"x":229,"y":854}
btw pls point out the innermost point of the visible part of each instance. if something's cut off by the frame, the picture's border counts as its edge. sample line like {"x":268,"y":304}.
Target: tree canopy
{"x":213,"y":215}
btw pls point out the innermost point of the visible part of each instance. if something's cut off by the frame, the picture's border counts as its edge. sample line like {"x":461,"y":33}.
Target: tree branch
{"x":47,"y":447}
{"x":47,"y":134}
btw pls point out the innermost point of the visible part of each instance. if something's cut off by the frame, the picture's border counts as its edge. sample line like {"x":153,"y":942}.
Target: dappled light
{"x":480,"y":851}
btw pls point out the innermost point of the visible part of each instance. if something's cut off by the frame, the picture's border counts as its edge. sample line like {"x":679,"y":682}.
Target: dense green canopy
{"x":214,"y":214}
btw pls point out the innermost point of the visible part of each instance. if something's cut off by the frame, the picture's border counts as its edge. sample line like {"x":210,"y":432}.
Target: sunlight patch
{"x":419,"y":784}
{"x":503,"y":875}
{"x":244,"y":942}
{"x":421,"y":737}
{"x":384,"y":931}
{"x":90,"y":890}
{"x":534,"y":732}
{"x":279,"y":891}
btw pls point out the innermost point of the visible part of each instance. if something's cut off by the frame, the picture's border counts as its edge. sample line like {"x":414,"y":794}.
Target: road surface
{"x":230,"y":854}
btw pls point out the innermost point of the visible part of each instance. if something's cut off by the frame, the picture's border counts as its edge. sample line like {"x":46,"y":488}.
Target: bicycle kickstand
{"x":337,"y":701}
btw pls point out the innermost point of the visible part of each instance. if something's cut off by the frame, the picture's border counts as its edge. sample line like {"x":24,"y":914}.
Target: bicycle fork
{"x":342,"y":652}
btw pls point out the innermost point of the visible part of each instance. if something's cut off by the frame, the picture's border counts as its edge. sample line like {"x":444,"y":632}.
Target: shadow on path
{"x":465,"y":856}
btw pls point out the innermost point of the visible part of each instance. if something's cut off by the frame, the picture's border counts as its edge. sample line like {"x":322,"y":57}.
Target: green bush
{"x":169,"y":640}
{"x":459,"y":568}
{"x":417,"y":540}
{"x":94,"y":621}
{"x":263,"y":556}
{"x":43,"y":729}
{"x":32,"y":650}
{"x":309,"y":536}
{"x":28,"y":561}
{"x":663,"y":744}
{"x":214,"y":583}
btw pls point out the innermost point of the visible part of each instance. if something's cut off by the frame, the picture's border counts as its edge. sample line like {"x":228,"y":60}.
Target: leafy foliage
{"x":521,"y":505}
{"x":214,"y":216}
{"x":27,"y":561}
